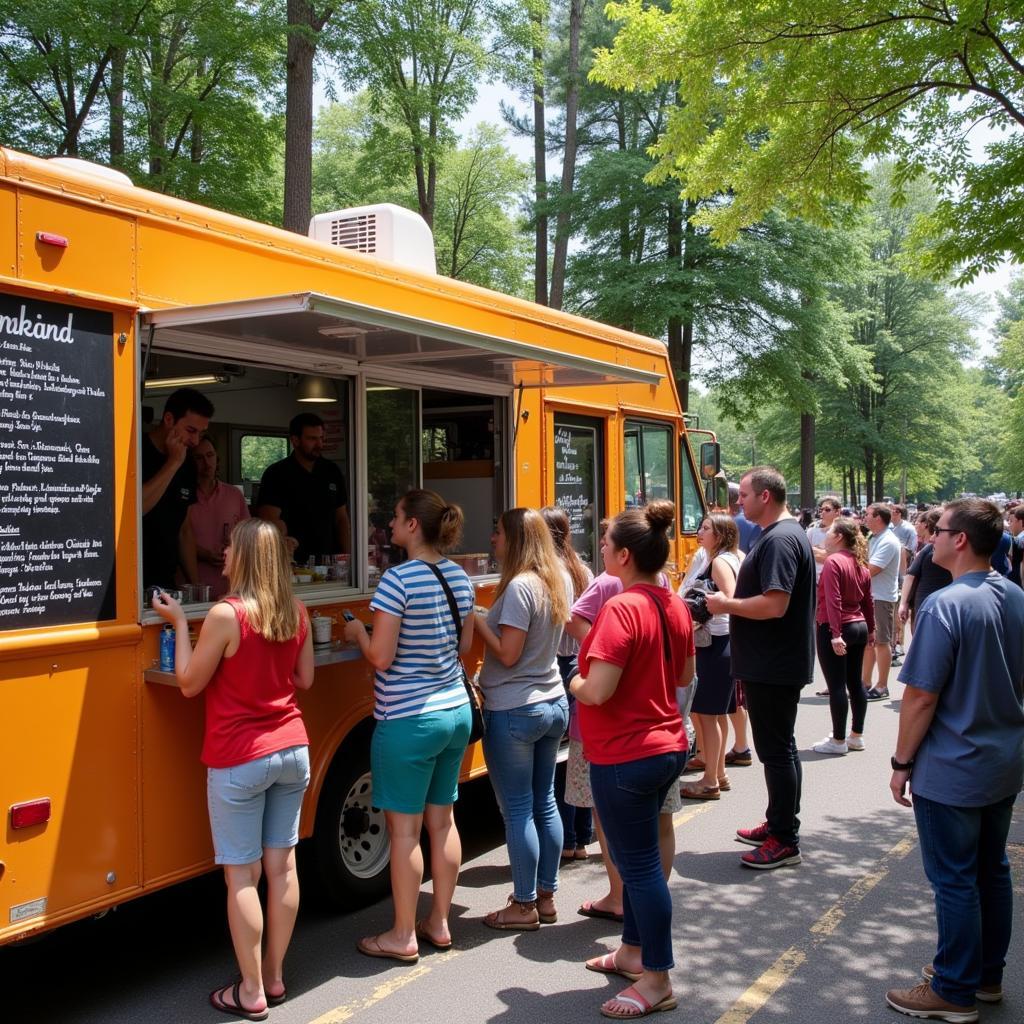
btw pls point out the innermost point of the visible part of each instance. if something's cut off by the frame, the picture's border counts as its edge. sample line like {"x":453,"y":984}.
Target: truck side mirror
{"x":716,"y":493}
{"x":710,"y":459}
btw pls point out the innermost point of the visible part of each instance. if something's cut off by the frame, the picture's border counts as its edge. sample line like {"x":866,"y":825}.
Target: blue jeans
{"x":521,"y":748}
{"x":964,"y":855}
{"x":628,"y":798}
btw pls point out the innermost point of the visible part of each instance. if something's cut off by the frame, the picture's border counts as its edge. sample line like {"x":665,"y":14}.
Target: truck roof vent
{"x":383,"y":230}
{"x":92,"y":169}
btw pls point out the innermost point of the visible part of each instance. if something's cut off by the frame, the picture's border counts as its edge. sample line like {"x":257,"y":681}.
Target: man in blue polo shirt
{"x":960,"y":749}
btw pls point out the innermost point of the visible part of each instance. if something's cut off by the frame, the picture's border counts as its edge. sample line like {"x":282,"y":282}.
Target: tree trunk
{"x":678,"y":351}
{"x":115,"y":98}
{"x":303,"y":26}
{"x":572,"y":95}
{"x":807,"y":459}
{"x":540,"y":172}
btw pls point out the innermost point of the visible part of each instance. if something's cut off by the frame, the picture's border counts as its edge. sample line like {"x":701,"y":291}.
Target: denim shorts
{"x":255,"y":805}
{"x":417,"y":760}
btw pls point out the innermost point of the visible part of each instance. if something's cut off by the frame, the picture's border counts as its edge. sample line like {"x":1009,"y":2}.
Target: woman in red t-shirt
{"x":254,"y":649}
{"x":639,"y":650}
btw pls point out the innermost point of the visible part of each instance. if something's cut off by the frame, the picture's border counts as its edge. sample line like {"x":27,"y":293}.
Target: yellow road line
{"x":682,"y":817}
{"x":758,"y":994}
{"x":340,"y":1014}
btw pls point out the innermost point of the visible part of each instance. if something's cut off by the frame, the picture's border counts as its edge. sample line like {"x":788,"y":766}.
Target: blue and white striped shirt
{"x":425,"y":674}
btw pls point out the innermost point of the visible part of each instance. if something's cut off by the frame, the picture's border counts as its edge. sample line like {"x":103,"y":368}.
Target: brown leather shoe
{"x":923,"y":1001}
{"x":984,"y":993}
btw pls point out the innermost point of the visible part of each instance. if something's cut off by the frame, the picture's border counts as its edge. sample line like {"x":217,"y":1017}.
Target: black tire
{"x":350,"y":840}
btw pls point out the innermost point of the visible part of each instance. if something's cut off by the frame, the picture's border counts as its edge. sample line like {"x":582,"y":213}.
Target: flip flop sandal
{"x":580,"y":853}
{"x":422,"y":933}
{"x":236,"y":1009}
{"x":724,"y":783}
{"x":589,"y":910}
{"x":278,"y":999}
{"x":372,"y":947}
{"x":606,"y":965}
{"x":694,"y":765}
{"x":692,"y":791}
{"x":631,"y":997}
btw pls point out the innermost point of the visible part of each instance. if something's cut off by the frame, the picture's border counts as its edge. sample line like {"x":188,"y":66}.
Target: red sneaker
{"x":753,"y":836}
{"x":771,"y":854}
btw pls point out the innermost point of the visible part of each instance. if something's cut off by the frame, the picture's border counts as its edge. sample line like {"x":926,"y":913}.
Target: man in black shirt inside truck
{"x":169,"y":487}
{"x":305,"y":496}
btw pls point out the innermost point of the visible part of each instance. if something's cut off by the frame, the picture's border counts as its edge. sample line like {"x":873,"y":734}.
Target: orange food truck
{"x":111,"y":297}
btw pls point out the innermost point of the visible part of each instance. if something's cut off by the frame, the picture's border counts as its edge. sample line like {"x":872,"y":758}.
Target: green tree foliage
{"x":907,"y":412}
{"x":181,"y":94}
{"x":781,"y":101}
{"x":1010,"y":363}
{"x":421,"y":63}
{"x":478,"y":232}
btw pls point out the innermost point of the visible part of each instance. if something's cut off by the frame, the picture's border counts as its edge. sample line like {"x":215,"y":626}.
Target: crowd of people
{"x":613,"y":662}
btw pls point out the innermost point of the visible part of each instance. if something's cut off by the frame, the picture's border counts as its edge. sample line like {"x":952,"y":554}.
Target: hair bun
{"x":660,"y":513}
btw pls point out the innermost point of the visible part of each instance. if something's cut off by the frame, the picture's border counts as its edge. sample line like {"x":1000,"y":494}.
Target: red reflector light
{"x":49,"y":238}
{"x":34,"y":812}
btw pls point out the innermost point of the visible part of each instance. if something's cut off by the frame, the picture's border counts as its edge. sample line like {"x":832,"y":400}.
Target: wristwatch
{"x":900,"y":766}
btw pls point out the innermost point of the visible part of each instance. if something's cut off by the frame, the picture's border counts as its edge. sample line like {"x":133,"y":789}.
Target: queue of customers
{"x":606,"y":659}
{"x":255,"y":650}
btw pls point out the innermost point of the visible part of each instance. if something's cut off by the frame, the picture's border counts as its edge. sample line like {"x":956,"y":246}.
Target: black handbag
{"x":476,"y":704}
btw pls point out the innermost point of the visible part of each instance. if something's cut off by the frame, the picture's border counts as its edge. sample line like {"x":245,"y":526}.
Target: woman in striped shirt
{"x":422,"y":716}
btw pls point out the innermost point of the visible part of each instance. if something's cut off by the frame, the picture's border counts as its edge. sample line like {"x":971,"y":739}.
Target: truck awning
{"x":330,"y":334}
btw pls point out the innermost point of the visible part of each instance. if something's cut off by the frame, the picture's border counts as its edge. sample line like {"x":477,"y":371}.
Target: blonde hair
{"x":561,"y":536}
{"x":529,"y":550}
{"x":261,"y":579}
{"x":852,"y":538}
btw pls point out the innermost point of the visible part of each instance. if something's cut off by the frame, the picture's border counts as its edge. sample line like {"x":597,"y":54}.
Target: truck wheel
{"x":353,"y":851}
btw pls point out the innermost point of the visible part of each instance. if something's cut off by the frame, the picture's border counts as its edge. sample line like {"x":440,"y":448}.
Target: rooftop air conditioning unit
{"x":384,"y":230}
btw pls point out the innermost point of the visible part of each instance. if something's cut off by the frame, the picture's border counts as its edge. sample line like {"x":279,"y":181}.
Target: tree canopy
{"x":781,"y":103}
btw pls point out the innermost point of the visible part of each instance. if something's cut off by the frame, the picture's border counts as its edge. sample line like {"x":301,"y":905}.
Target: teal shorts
{"x":416,"y":760}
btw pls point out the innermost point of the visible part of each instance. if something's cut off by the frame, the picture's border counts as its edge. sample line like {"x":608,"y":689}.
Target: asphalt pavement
{"x":821,"y":941}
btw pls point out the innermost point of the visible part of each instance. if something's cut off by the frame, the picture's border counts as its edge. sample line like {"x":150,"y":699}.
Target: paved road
{"x":819,"y":942}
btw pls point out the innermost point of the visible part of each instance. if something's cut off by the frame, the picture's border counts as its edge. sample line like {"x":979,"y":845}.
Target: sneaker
{"x":875,"y":694}
{"x":830,"y":746}
{"x":771,"y":854}
{"x":739,"y":758}
{"x":923,"y":1001}
{"x":753,"y":836}
{"x":984,"y":993}
{"x":854,"y":742}
{"x":896,"y":661}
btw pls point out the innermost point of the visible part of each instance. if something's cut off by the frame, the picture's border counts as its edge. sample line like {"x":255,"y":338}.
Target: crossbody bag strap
{"x":665,"y":642}
{"x":452,"y":604}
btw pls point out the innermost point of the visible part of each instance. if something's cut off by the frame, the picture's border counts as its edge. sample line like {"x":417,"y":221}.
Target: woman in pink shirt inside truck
{"x":219,"y":506}
{"x":846,"y":624}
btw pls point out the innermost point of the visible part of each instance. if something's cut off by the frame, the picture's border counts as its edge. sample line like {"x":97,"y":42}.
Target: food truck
{"x":112,"y":297}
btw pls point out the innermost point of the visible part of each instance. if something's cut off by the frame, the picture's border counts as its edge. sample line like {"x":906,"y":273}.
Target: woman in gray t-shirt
{"x":526,"y":711}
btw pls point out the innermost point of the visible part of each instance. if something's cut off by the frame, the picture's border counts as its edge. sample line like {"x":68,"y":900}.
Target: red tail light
{"x":34,"y":812}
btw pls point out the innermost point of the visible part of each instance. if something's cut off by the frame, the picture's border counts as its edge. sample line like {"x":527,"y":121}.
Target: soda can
{"x":167,"y":649}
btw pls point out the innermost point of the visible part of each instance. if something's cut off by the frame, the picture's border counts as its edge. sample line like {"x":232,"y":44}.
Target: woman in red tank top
{"x":254,"y":650}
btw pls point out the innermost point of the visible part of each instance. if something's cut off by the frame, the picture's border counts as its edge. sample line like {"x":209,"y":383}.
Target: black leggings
{"x":842,"y":674}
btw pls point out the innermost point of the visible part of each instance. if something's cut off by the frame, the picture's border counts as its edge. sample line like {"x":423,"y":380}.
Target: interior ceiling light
{"x":195,"y":381}
{"x":316,"y":390}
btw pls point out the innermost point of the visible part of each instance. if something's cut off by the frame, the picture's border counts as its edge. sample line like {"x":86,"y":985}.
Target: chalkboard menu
{"x":576,"y":484}
{"x":56,"y":464}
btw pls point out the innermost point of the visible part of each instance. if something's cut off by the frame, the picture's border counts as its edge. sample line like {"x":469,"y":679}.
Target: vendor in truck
{"x":169,"y":487}
{"x":305,"y":495}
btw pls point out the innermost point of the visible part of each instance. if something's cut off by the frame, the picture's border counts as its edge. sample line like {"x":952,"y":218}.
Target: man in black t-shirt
{"x":305,"y":496}
{"x":169,"y":487}
{"x":771,"y":630}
